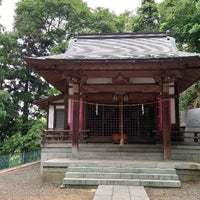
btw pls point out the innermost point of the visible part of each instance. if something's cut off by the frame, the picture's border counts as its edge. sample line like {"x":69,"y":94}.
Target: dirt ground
{"x":25,"y":184}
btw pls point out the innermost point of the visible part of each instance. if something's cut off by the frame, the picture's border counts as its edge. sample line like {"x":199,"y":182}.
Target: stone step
{"x":121,"y":170}
{"x":120,"y":173}
{"x":141,"y":176}
{"x":129,"y":182}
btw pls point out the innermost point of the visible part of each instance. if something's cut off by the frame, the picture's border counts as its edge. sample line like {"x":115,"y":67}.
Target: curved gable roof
{"x":121,"y":46}
{"x":154,"y":52}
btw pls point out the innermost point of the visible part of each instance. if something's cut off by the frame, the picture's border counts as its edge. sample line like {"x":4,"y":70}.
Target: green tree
{"x":46,"y":25}
{"x":4,"y":96}
{"x":103,"y":21}
{"x":30,"y":141}
{"x":126,"y":19}
{"x":22,"y":85}
{"x":182,"y":18}
{"x":190,"y":98}
{"x":147,"y":18}
{"x":43,"y":26}
{"x":8,"y":61}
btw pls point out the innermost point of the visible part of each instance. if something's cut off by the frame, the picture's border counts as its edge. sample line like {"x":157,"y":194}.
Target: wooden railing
{"x":62,"y":136}
{"x":180,"y":136}
{"x":65,"y":136}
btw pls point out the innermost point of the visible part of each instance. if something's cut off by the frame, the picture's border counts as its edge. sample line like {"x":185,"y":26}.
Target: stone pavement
{"x":120,"y":192}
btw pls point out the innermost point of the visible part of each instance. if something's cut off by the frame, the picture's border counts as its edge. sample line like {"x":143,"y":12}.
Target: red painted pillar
{"x":81,"y":114}
{"x":75,"y":123}
{"x":166,"y":126}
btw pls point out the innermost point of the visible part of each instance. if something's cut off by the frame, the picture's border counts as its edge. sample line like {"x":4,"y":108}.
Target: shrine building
{"x":116,"y":88}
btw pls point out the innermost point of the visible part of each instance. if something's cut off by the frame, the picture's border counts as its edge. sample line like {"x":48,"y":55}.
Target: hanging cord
{"x":97,"y":107}
{"x":117,"y":105}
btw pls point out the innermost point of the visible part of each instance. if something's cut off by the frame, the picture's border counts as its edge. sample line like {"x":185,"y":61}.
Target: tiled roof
{"x":121,"y":46}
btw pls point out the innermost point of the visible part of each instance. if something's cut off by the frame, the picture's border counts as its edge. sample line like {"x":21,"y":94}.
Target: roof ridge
{"x":121,"y":35}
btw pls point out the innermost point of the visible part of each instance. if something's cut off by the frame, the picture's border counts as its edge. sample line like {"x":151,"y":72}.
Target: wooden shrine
{"x":125,"y":83}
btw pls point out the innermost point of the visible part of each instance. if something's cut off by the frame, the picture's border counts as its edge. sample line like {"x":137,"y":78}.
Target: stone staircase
{"x":120,"y":173}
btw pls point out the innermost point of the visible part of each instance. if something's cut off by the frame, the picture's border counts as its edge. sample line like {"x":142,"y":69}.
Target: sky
{"x":8,"y":6}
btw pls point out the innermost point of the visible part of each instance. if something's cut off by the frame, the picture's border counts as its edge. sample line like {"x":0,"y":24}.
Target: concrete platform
{"x":65,"y":162}
{"x":119,"y":192}
{"x":54,"y":170}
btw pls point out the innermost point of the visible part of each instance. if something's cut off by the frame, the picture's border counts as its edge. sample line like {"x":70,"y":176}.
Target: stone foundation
{"x":185,"y":153}
{"x":61,"y":155}
{"x":51,"y":151}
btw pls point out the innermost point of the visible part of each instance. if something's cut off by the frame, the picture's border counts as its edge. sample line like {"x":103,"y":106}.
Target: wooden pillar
{"x":177,"y":111}
{"x":84,"y":114}
{"x":121,"y":121}
{"x":66,"y":106}
{"x":166,"y":122}
{"x":75,"y":126}
{"x":66,"y":127}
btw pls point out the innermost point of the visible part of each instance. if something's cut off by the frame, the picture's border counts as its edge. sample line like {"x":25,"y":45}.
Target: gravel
{"x":188,"y":191}
{"x":25,"y":184}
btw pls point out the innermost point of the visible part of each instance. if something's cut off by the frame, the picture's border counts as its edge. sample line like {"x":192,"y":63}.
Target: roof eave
{"x":33,"y":60}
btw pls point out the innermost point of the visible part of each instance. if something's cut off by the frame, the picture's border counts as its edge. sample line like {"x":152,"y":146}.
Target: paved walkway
{"x":120,"y":192}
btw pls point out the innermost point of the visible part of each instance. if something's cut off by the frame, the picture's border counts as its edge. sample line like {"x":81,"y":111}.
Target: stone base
{"x":53,"y":175}
{"x":188,"y":175}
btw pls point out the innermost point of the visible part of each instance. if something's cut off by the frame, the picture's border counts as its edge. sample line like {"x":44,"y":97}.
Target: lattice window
{"x":59,"y":122}
{"x":138,"y":120}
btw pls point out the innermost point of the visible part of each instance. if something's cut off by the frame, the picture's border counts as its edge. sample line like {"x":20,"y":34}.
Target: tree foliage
{"x":126,"y":19}
{"x":147,"y":18}
{"x":182,"y":18}
{"x":4,"y":96}
{"x":103,"y":21}
{"x":30,"y":141}
{"x":48,"y":24}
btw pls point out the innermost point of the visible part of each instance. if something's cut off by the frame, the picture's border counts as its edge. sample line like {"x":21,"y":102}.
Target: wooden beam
{"x":75,"y":126}
{"x":60,"y":64}
{"x":134,"y":88}
{"x":132,"y":98}
{"x":111,"y":73}
{"x":115,"y":73}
